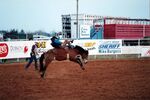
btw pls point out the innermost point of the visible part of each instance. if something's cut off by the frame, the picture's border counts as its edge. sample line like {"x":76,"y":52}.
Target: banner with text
{"x":110,"y":47}
{"x":21,"y":49}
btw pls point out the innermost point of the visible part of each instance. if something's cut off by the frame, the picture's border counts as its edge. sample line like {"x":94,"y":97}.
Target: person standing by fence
{"x":33,"y":55}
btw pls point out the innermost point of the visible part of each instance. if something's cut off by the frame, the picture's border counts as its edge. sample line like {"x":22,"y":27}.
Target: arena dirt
{"x":102,"y":80}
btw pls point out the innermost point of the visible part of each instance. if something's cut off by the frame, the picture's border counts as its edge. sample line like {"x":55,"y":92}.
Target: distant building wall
{"x":126,"y":28}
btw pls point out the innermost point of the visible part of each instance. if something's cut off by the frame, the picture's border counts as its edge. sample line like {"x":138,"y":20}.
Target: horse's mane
{"x":80,"y":49}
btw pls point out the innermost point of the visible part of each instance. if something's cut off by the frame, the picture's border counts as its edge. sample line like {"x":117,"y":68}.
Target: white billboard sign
{"x":110,"y":47}
{"x":15,"y":49}
{"x":21,"y":49}
{"x":90,"y":45}
{"x":85,"y":31}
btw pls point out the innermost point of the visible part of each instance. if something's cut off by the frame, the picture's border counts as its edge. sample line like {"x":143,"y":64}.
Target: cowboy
{"x":33,"y":55}
{"x":58,"y":44}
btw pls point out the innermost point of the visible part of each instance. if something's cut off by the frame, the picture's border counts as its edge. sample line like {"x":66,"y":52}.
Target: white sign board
{"x":110,"y":47}
{"x":15,"y":49}
{"x":85,"y":31}
{"x":90,"y":45}
{"x":21,"y":49}
{"x":131,"y":50}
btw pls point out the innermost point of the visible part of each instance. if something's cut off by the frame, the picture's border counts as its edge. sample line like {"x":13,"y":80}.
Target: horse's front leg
{"x":44,"y":70}
{"x":80,"y":61}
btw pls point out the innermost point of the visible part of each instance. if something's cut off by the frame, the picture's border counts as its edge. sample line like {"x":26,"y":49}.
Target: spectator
{"x":33,"y":55}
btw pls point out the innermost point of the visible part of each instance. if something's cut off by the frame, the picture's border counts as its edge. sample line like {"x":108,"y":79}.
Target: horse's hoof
{"x":83,"y":68}
{"x":42,"y":75}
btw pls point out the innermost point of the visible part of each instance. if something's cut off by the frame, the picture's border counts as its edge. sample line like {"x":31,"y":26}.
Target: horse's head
{"x":84,"y":53}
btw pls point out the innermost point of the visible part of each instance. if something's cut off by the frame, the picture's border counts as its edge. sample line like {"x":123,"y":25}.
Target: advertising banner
{"x":21,"y":49}
{"x":15,"y":49}
{"x":110,"y":47}
{"x":90,"y":45}
{"x":145,"y":52}
{"x":43,"y":46}
{"x":131,"y":50}
{"x":85,"y":31}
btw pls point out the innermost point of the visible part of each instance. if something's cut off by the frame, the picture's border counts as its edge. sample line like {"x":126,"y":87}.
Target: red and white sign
{"x":3,"y":49}
{"x":15,"y":49}
{"x":21,"y":49}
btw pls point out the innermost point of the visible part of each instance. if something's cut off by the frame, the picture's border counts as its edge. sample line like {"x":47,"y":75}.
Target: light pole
{"x":149,"y":9}
{"x":77,"y":20}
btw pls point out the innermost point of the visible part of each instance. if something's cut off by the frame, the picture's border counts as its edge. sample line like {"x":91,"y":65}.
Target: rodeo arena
{"x":117,"y":68}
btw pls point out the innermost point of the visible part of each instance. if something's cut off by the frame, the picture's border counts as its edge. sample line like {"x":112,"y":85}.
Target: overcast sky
{"x":45,"y":15}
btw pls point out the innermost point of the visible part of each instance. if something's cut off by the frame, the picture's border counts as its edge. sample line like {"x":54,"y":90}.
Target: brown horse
{"x":76,"y":54}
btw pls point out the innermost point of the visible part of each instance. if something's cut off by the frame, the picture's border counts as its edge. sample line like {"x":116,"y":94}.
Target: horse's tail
{"x":41,"y":62}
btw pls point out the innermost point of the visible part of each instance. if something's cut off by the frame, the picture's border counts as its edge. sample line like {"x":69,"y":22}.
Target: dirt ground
{"x":102,"y":80}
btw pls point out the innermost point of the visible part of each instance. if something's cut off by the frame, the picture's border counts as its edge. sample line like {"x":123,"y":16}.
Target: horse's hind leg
{"x":47,"y":61}
{"x":43,"y":71}
{"x":41,"y":62}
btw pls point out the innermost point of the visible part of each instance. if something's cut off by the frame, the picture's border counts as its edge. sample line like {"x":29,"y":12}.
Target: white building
{"x":69,"y":24}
